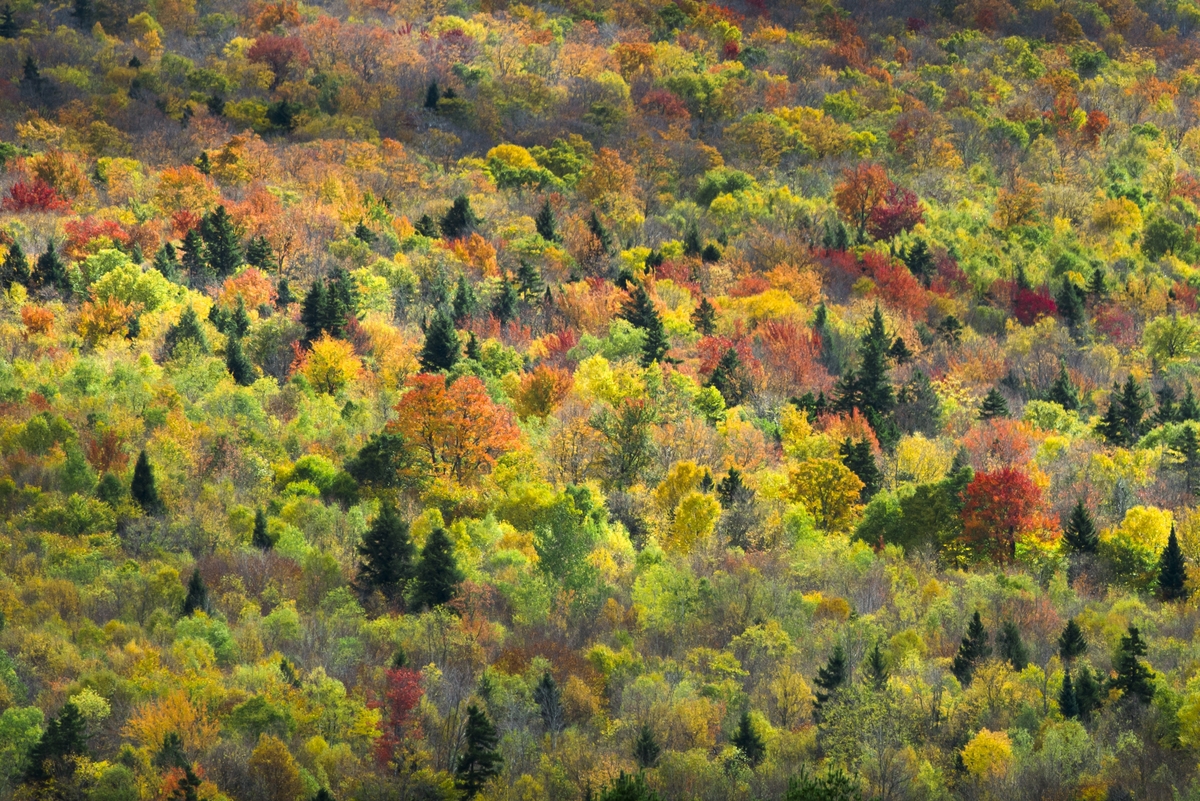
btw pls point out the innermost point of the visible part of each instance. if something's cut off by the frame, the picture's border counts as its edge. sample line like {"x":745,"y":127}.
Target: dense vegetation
{"x":617,"y":399}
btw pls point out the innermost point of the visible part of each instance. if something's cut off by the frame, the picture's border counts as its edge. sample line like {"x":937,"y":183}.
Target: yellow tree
{"x":828,"y":490}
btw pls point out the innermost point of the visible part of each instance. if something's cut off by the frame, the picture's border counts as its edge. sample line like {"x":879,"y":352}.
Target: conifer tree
{"x":645,"y":748}
{"x":51,"y":272}
{"x":829,"y":681}
{"x":971,"y":651}
{"x":993,"y":406}
{"x":1189,"y":409}
{"x":1168,"y":409}
{"x":432,"y":96}
{"x":1123,"y":422}
{"x":437,"y":575}
{"x":729,"y":378}
{"x":868,"y":388}
{"x":1063,"y":391}
{"x":480,"y":760}
{"x":1189,"y":449}
{"x":261,"y":539}
{"x":1133,"y":679}
{"x":194,"y":263}
{"x":1172,"y":571}
{"x":530,"y":283}
{"x":459,"y":219}
{"x":1089,"y":692}
{"x":919,"y":261}
{"x":464,"y":302}
{"x":1071,"y":643}
{"x":549,"y":700}
{"x":386,"y":555}
{"x":1080,"y":532}
{"x":64,"y":738}
{"x":1011,"y":647}
{"x":858,"y":457}
{"x":877,"y":667}
{"x":427,"y":227}
{"x":748,"y":741}
{"x":639,"y":311}
{"x":260,"y":254}
{"x":1071,"y":302}
{"x":504,"y":305}
{"x":363,"y":233}
{"x":283,"y":294}
{"x":704,"y":317}
{"x":825,"y":333}
{"x":1068,"y":704}
{"x":166,"y":261}
{"x":547,"y":225}
{"x":197,"y":595}
{"x":144,"y":488}
{"x":899,"y":352}
{"x":691,"y":240}
{"x":289,"y":672}
{"x":8,"y":23}
{"x":1097,"y":285}
{"x":237,"y":362}
{"x":84,"y":13}
{"x":601,"y":233}
{"x":442,"y":348}
{"x":188,"y":329}
{"x":222,"y":248}
{"x":15,"y":269}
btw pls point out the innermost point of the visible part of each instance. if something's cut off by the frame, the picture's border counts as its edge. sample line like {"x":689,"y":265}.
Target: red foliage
{"x":997,"y":507}
{"x":1185,"y":296}
{"x":711,"y":350}
{"x":895,"y":285}
{"x":900,"y":211}
{"x":1096,"y":125}
{"x":399,"y":722}
{"x":682,"y":273}
{"x":1118,"y":324}
{"x":183,"y":221}
{"x":1030,"y":304}
{"x":950,"y":277}
{"x":279,"y":53}
{"x":791,"y":354}
{"x":558,"y":344}
{"x":80,"y":233}
{"x":731,"y":49}
{"x":36,"y":196}
{"x":749,"y":286}
{"x":1000,"y":443}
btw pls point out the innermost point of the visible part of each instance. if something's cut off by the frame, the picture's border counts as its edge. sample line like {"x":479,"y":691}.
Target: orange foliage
{"x":252,"y":285}
{"x":541,"y":391}
{"x":37,"y":319}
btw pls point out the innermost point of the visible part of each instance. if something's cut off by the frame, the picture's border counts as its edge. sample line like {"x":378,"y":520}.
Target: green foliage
{"x":437,"y":574}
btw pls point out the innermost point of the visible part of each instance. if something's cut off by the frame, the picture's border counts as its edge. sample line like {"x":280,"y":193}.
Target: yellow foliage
{"x":331,"y":364}
{"x":682,"y":478}
{"x":695,"y":520}
{"x":513,"y":156}
{"x":828,"y":490}
{"x":922,"y":460}
{"x":988,"y":755}
{"x":174,"y":713}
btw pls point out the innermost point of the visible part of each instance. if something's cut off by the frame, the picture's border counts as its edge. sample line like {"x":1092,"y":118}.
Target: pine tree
{"x":504,"y":305}
{"x":530,"y":283}
{"x":993,"y":406}
{"x":197,"y":595}
{"x":386,"y":555}
{"x":8,"y":23}
{"x":238,"y":363}
{"x":748,"y":741}
{"x":549,"y":700}
{"x":1089,"y":693}
{"x":950,"y":330}
{"x":471,"y":351}
{"x":919,"y":261}
{"x":442,"y":348}
{"x":15,"y":269}
{"x":859,"y":458}
{"x":829,"y":681}
{"x":704,"y":317}
{"x":974,"y":648}
{"x":1068,"y":704}
{"x":1172,"y":571}
{"x":711,"y":254}
{"x":283,"y":294}
{"x":480,"y":760}
{"x":222,"y":248}
{"x":260,"y":254}
{"x":143,"y":488}
{"x":1168,"y":409}
{"x":1080,"y":531}
{"x":432,"y":96}
{"x":729,"y":378}
{"x":459,"y":220}
{"x":65,"y":737}
{"x":51,"y":272}
{"x":1071,"y":643}
{"x":547,"y":225}
{"x":288,"y":670}
{"x":1012,"y":649}
{"x":645,"y":748}
{"x":364,"y":234}
{"x":1063,"y":391}
{"x":437,"y":575}
{"x":1097,"y":286}
{"x":877,"y":667}
{"x":166,"y":261}
{"x":1124,"y":423}
{"x":899,"y":352}
{"x":313,"y":311}
{"x":626,"y":787}
{"x":601,"y":233}
{"x":1071,"y":304}
{"x":1189,"y":409}
{"x":691,"y":240}
{"x":1133,"y":678}
{"x":83,"y":12}
{"x":868,"y":388}
{"x":464,"y":302}
{"x":427,"y":226}
{"x":261,"y":539}
{"x":188,"y":329}
{"x":1189,"y":449}
{"x":639,"y":311}
{"x":194,"y":263}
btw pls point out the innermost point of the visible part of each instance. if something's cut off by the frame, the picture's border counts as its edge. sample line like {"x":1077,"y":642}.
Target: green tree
{"x":1168,"y":409}
{"x":704,"y":317}
{"x":629,"y":787}
{"x":504,"y":305}
{"x":237,"y":363}
{"x":548,"y":698}
{"x":15,"y":269}
{"x":645,"y":748}
{"x":601,"y":233}
{"x":973,"y":649}
{"x":166,"y":261}
{"x":8,"y":23}
{"x":993,"y":406}
{"x":480,"y":760}
{"x":1068,"y":704}
{"x":639,"y":311}
{"x":868,"y":388}
{"x":748,"y":741}
{"x":260,"y":254}
{"x":194,"y":263}
{"x":222,"y":248}
{"x":51,"y":272}
{"x":442,"y":348}
{"x":547,"y":225}
{"x":1123,"y":423}
{"x":196,"y":599}
{"x":835,"y":785}
{"x":65,"y":737}
{"x":314,"y":310}
{"x":1089,"y":692}
{"x":877,"y":667}
{"x":920,"y":261}
{"x":730,"y":379}
{"x":386,"y":555}
{"x":188,"y":329}
{"x":1133,"y":678}
{"x":144,"y":488}
{"x":1172,"y":571}
{"x":1011,"y":647}
{"x":459,"y":220}
{"x":464,"y":302}
{"x":1063,"y":391}
{"x":860,"y":459}
{"x":1080,"y":531}
{"x":283,"y":294}
{"x":829,"y":681}
{"x":529,"y":282}
{"x":261,"y":539}
{"x":437,"y":575}
{"x":1071,"y":643}
{"x":1189,"y":409}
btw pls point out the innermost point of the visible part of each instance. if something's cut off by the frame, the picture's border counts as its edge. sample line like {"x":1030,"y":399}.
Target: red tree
{"x":36,"y":196}
{"x":399,"y":721}
{"x":900,"y":211}
{"x":1031,"y":304}
{"x":860,"y":191}
{"x":280,"y":53}
{"x":997,"y":507}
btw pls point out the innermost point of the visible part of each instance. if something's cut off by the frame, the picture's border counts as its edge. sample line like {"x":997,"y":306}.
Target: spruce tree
{"x":640,"y":312}
{"x":729,"y":378}
{"x":1071,"y":302}
{"x":993,"y":406}
{"x":1133,"y":678}
{"x":15,"y":269}
{"x":283,"y":294}
{"x":480,"y":760}
{"x":260,"y":254}
{"x":829,"y":681}
{"x":8,"y":23}
{"x":427,"y":227}
{"x":432,"y":96}
{"x":1068,"y":704}
{"x":386,"y":555}
{"x":1071,"y":643}
{"x":1097,"y":285}
{"x":1011,"y":647}
{"x":84,"y":13}
{"x":691,"y":240}
{"x":51,"y":272}
{"x":1089,"y":692}
{"x":1189,"y":409}
{"x":919,"y":261}
{"x":1080,"y":531}
{"x":464,"y":302}
{"x":52,"y":755}
{"x":645,"y":748}
{"x":261,"y":539}
{"x":288,"y":670}
{"x":877,"y":667}
{"x":504,"y":305}
{"x":188,"y":329}
{"x":1172,"y":571}
{"x":238,"y":363}
{"x":704,"y":317}
{"x":549,"y":700}
{"x":1123,"y":423}
{"x":196,"y":599}
{"x":899,"y":352}
{"x":194,"y":263}
{"x":859,"y":458}
{"x":313,"y":311}
{"x":222,"y":248}
{"x":442,"y":348}
{"x":166,"y":261}
{"x":547,"y":225}
{"x":529,"y":282}
{"x":143,"y":488}
{"x":868,"y":388}
{"x":1168,"y":409}
{"x":748,"y":741}
{"x":364,"y":234}
{"x":602,"y":234}
{"x":437,"y":575}
{"x":1063,"y":391}
{"x":950,"y":330}
{"x":459,"y":220}
{"x":1189,"y":449}
{"x":971,"y":651}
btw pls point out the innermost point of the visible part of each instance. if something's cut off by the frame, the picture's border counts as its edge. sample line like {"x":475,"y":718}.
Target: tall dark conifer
{"x":973,"y":649}
{"x":749,"y":741}
{"x":1080,"y":531}
{"x":387,"y":555}
{"x":144,"y":488}
{"x":1172,"y":571}
{"x":196,"y":599}
{"x":547,"y":225}
{"x":704,"y":317}
{"x":1063,"y":391}
{"x":1071,"y":643}
{"x":437,"y":574}
{"x":222,"y":243}
{"x":829,"y":681}
{"x":480,"y":759}
{"x":1133,"y":678}
{"x":442,"y":348}
{"x":261,"y":538}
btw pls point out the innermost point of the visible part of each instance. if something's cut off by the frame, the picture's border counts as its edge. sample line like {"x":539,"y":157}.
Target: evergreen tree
{"x":868,"y":388}
{"x":1068,"y":704}
{"x":51,"y":272}
{"x":289,"y":673}
{"x":971,"y":651}
{"x":748,"y":741}
{"x":8,"y":23}
{"x":1011,"y":647}
{"x":993,"y":406}
{"x":84,"y":13}
{"x":530,"y":283}
{"x":1089,"y":692}
{"x":203,"y":163}
{"x":15,"y":269}
{"x":194,"y":263}
{"x":919,"y":261}
{"x":313,"y":311}
{"x":899,"y":352}
{"x":437,"y":575}
{"x":877,"y":667}
{"x":65,"y":737}
{"x":480,"y":760}
{"x":627,"y":787}
{"x":639,"y":311}
{"x":504,"y":305}
{"x":601,"y":233}
{"x":1189,"y":449}
{"x":188,"y":329}
{"x":364,"y":234}
{"x":829,"y":681}
{"x":259,"y":253}
{"x":240,"y":319}
{"x":166,"y":261}
{"x":283,"y":294}
{"x":427,"y":226}
{"x":471,"y":351}
{"x":237,"y":362}
{"x":729,"y":378}
{"x":1172,"y":571}
{"x":691,"y":240}
{"x":825,"y":333}
{"x":950,"y":329}
{"x":222,"y":248}
{"x":30,"y":73}
{"x":432,"y":96}
{"x":1097,"y":286}
{"x":1122,"y":424}
{"x":144,"y":488}
{"x":464,"y":302}
{"x":918,"y":407}
{"x":711,"y":254}
{"x":1080,"y":531}
{"x":1189,"y":409}
{"x":459,"y":220}
{"x":645,"y":748}
{"x":442,"y":347}
{"x":1063,"y":391}
{"x":547,"y":225}
{"x":1071,"y":643}
{"x":1133,"y":678}
{"x":859,"y":458}
{"x":197,"y":595}
{"x":261,"y":539}
{"x":704,"y":317}
{"x":549,"y":700}
{"x":386,"y":555}
{"x":1071,"y":304}
{"x":1168,"y":409}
